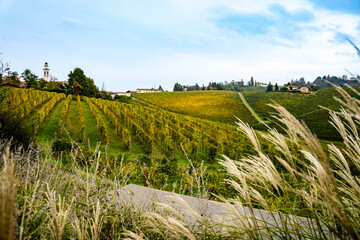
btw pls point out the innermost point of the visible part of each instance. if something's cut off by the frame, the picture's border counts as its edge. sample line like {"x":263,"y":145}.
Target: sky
{"x":124,"y":45}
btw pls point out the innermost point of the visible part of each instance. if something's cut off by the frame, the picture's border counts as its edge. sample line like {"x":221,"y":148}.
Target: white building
{"x":113,"y":94}
{"x":46,"y":72}
{"x":147,"y":90}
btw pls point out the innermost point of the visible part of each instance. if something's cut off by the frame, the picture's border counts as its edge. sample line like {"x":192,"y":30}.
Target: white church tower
{"x":46,"y":72}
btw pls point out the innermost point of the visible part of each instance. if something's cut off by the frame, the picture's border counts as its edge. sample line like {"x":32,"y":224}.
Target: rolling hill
{"x":223,"y":106}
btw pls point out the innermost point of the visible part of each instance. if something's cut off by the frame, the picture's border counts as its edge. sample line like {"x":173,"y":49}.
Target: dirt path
{"x":250,"y":109}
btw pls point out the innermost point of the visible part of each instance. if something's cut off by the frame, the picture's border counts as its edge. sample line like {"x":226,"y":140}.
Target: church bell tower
{"x":46,"y":72}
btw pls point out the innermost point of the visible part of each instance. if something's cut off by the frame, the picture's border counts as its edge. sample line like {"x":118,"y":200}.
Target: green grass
{"x":72,"y":123}
{"x":306,"y":107}
{"x":221,"y":106}
{"x":51,"y":125}
{"x":253,"y":89}
{"x":91,"y":130}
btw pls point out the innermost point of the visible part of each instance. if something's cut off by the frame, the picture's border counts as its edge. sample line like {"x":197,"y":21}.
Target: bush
{"x":144,"y":158}
{"x":61,"y":146}
{"x":168,"y":166}
{"x":12,"y":127}
{"x":121,"y":98}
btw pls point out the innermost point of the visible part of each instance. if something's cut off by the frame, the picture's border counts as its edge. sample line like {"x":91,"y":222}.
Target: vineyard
{"x":154,"y":141}
{"x":220,"y":106}
{"x":121,"y":127}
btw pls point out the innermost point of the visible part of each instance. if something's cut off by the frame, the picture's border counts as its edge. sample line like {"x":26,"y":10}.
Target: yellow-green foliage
{"x":168,"y":130}
{"x":213,"y":105}
{"x":100,"y":124}
{"x":65,"y":110}
{"x":81,"y":119}
{"x":133,"y":123}
{"x":119,"y":129}
{"x":22,"y":102}
{"x":151,"y":127}
{"x":43,"y":112}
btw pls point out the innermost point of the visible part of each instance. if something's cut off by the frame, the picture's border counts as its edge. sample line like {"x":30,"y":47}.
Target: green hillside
{"x":223,"y":106}
{"x":306,"y":107}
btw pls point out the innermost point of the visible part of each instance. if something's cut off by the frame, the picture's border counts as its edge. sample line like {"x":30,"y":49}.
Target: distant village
{"x":297,"y":85}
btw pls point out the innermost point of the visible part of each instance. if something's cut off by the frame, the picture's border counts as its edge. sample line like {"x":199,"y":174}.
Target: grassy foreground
{"x":44,"y":196}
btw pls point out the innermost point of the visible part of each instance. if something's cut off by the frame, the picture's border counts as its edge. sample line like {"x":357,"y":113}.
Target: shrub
{"x":12,"y":127}
{"x":61,"y":146}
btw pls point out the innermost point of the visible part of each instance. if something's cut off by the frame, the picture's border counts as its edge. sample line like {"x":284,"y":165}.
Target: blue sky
{"x":142,"y":44}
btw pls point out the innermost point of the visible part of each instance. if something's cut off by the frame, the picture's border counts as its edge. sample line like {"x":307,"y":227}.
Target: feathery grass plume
{"x":81,"y":227}
{"x":96,"y":222}
{"x":199,"y":176}
{"x":7,"y":196}
{"x":58,"y":215}
{"x":131,"y":235}
{"x":167,"y":224}
{"x":328,"y":195}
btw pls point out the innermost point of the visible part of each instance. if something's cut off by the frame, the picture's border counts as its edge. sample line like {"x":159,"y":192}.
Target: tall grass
{"x":7,"y":196}
{"x":307,"y":192}
{"x":43,"y":196}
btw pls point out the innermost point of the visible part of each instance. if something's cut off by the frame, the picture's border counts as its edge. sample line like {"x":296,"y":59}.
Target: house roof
{"x":8,"y":85}
{"x":148,"y":89}
{"x":62,"y":82}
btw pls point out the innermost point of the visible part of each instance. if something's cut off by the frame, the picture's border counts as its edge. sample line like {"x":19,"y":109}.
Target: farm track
{"x":250,"y":109}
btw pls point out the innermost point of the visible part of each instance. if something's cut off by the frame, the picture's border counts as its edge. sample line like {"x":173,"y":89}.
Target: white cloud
{"x":130,"y":44}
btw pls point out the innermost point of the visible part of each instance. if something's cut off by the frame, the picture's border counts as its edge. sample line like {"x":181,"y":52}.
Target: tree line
{"x":78,"y":82}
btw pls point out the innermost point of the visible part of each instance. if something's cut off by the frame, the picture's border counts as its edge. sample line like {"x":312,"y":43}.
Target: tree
{"x":4,"y":67}
{"x":12,"y":78}
{"x":301,"y":81}
{"x":104,"y":95}
{"x":276,"y":87}
{"x":251,"y":81}
{"x":269,"y":87}
{"x":41,"y":82}
{"x":178,"y":87}
{"x":30,"y":78}
{"x":160,"y":88}
{"x":77,"y":78}
{"x":197,"y":87}
{"x":77,"y":88}
{"x":88,"y":87}
{"x":122,"y":98}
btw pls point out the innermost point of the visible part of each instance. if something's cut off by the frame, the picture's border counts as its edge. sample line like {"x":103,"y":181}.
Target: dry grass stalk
{"x":7,"y":197}
{"x":96,"y":222}
{"x":59,"y":213}
{"x":81,"y":227}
